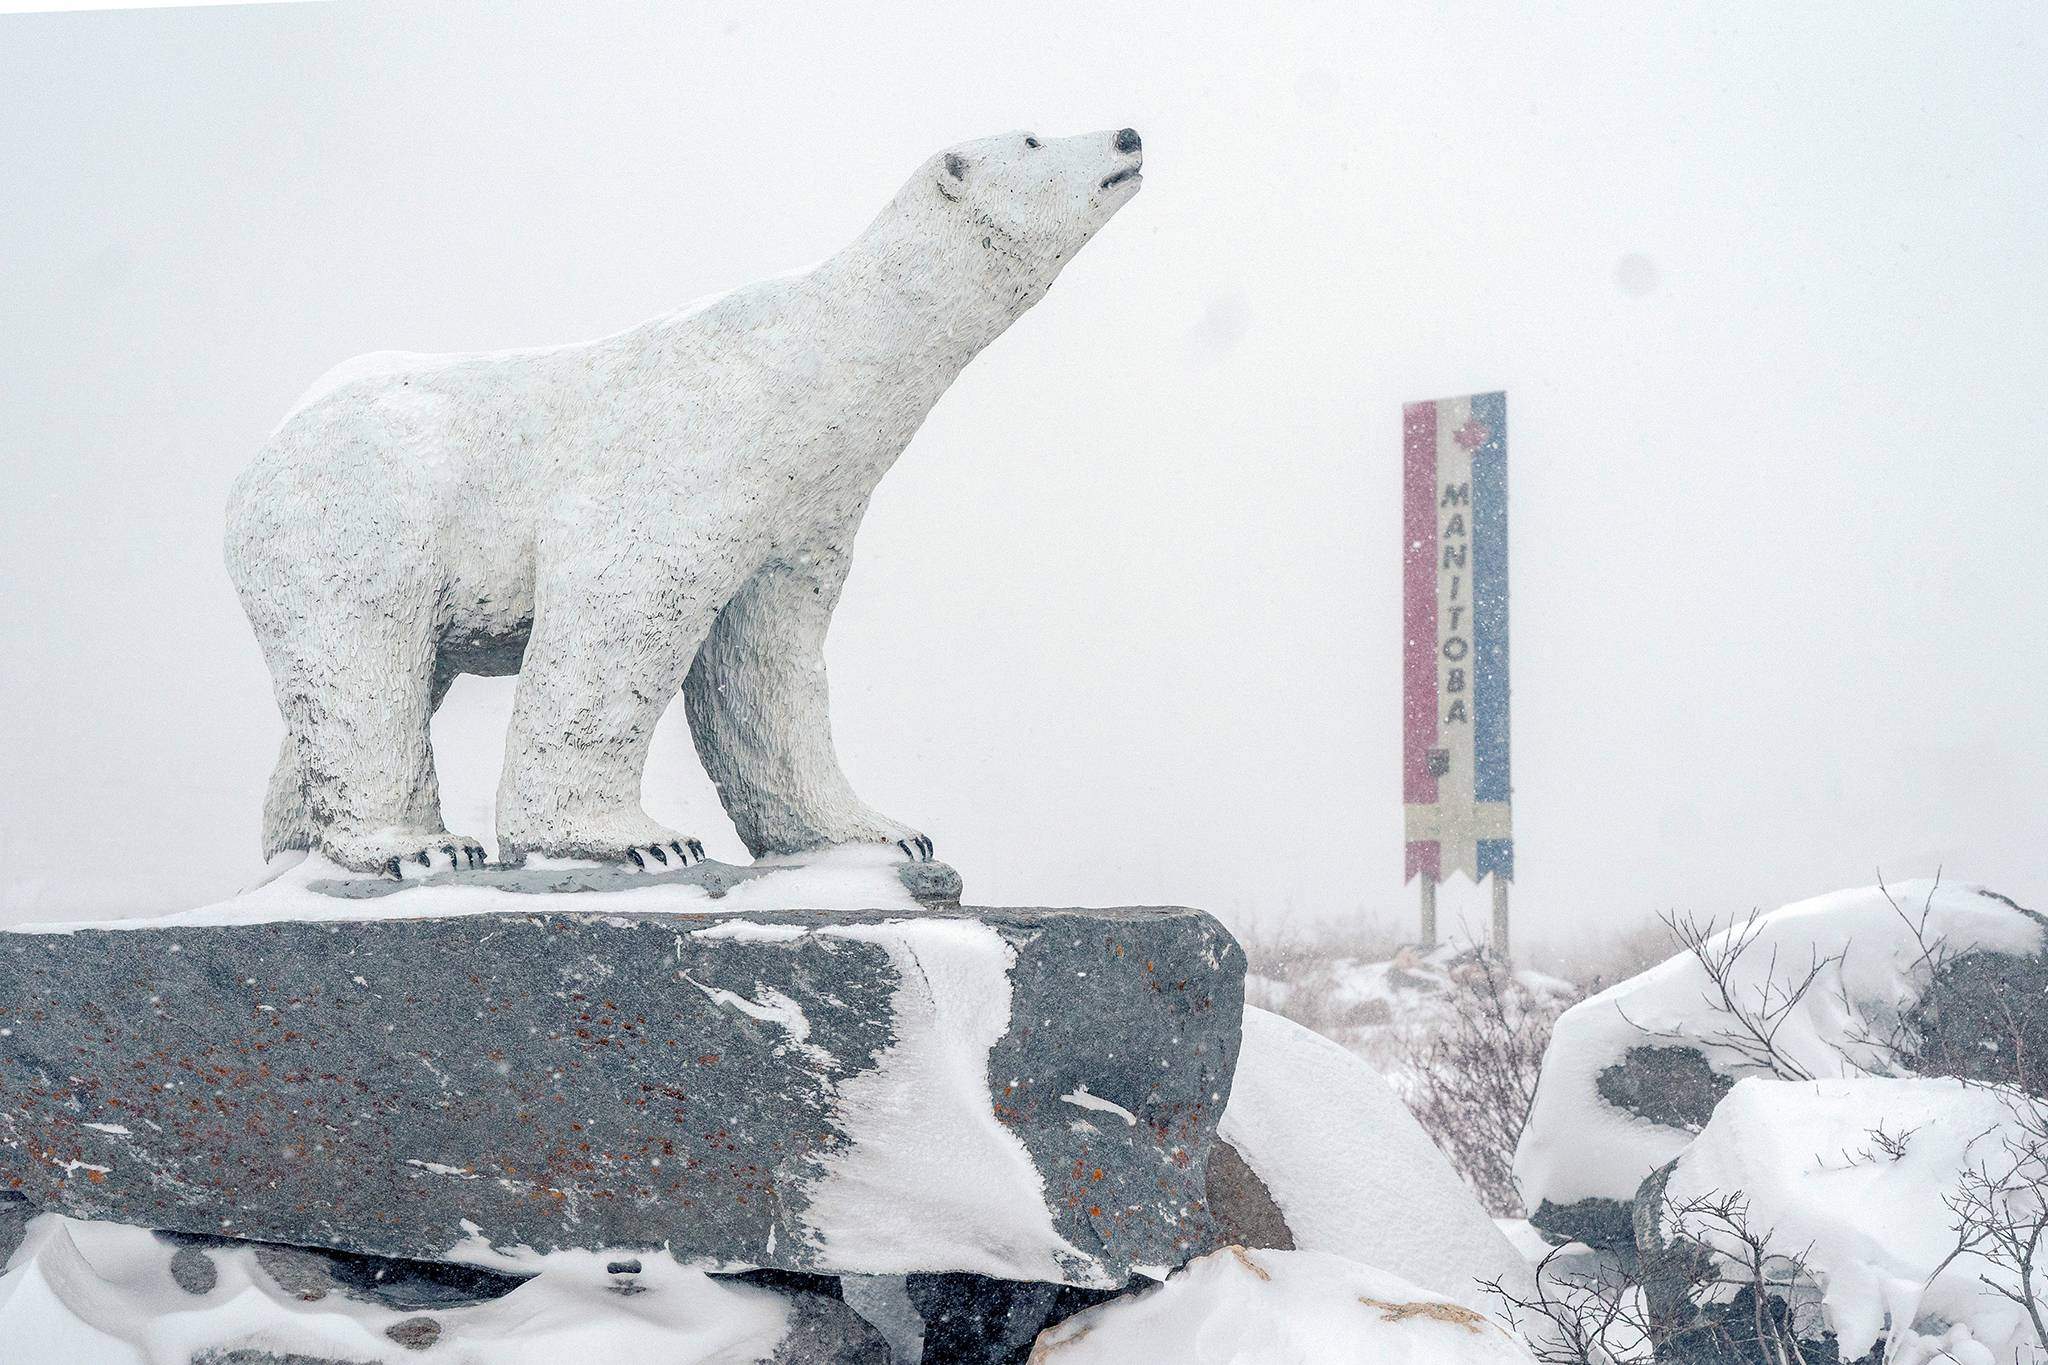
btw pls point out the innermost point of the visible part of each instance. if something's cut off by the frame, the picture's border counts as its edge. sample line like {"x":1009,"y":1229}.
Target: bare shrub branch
{"x":2000,"y":1206}
{"x":1579,"y":1317}
{"x":1740,"y":1299}
{"x":1754,"y":1015}
{"x":1472,"y":1080}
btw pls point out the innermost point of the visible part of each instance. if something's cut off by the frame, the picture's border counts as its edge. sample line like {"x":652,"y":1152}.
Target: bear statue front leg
{"x":759,"y":711}
{"x":617,"y":617}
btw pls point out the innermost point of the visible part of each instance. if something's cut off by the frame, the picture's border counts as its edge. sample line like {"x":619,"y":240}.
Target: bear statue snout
{"x":1127,"y":143}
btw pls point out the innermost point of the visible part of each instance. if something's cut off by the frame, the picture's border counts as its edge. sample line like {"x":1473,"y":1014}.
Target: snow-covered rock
{"x":99,"y":1294}
{"x":462,"y":1070}
{"x":1350,"y":1171}
{"x":1634,"y":1072}
{"x":1855,"y":1182}
{"x":1253,"y":1307}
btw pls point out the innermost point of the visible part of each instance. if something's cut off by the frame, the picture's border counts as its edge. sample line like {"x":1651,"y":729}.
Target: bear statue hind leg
{"x":286,"y":823}
{"x":417,"y":846}
{"x":357,"y":698}
{"x":411,"y":847}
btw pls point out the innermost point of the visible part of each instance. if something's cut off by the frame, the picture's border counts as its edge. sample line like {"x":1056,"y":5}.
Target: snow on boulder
{"x":110,"y":1295}
{"x":461,"y":1070}
{"x":1250,"y":1307}
{"x":1919,"y":977}
{"x":1339,"y":1165}
{"x":1853,"y":1196}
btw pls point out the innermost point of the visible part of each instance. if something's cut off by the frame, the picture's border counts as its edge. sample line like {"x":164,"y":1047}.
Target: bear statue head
{"x":1030,"y":203}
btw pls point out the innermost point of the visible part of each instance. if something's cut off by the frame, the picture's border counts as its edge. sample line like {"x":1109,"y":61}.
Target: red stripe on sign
{"x":1425,"y":859}
{"x":1418,"y":610}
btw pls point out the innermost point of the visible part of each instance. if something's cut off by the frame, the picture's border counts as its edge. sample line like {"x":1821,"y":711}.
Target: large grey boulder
{"x":824,"y":1331}
{"x":1021,"y":1094}
{"x":15,"y":1213}
{"x":974,"y":1320}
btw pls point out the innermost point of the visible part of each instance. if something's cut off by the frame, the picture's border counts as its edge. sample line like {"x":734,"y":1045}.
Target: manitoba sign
{"x":1454,"y":752}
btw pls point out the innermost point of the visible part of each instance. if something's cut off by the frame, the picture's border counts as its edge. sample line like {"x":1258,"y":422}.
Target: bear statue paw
{"x":623,"y":837}
{"x":402,"y":853}
{"x":863,"y":826}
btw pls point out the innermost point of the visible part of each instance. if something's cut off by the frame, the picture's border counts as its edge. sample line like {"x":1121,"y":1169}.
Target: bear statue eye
{"x":956,"y":166}
{"x":1031,"y":142}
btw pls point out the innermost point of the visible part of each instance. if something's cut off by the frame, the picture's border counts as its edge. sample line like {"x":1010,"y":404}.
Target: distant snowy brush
{"x":1471,"y":1079}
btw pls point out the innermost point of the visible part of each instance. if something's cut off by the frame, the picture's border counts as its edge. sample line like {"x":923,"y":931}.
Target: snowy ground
{"x":1380,"y":1009}
{"x":100,"y":1294}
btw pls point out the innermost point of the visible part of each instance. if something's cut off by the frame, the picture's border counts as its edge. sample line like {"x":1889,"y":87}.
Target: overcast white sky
{"x":1767,"y":288}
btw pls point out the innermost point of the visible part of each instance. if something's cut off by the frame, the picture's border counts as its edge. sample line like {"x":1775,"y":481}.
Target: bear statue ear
{"x":952,"y":174}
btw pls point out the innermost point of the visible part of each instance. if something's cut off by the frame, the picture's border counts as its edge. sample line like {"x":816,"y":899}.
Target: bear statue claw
{"x":686,"y":851}
{"x":460,"y":855}
{"x":918,"y":849}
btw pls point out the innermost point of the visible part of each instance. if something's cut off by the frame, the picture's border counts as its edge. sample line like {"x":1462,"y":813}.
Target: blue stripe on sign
{"x":1490,"y":601}
{"x":1497,"y":856}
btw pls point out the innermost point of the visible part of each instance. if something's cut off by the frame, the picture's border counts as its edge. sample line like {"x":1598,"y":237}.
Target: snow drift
{"x":1241,"y":1307}
{"x":1352,"y":1172}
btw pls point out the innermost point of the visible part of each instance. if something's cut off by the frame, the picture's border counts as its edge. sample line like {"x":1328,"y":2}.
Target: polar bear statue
{"x":668,"y":509}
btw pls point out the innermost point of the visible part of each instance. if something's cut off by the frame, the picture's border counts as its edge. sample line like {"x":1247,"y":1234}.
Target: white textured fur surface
{"x":669,"y":508}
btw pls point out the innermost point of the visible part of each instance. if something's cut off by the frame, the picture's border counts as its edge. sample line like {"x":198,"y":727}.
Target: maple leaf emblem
{"x":1472,"y":435}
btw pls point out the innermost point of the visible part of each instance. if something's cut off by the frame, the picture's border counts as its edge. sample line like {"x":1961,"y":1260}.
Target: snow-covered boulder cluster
{"x":1816,"y":1123}
{"x":564,"y":1115}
